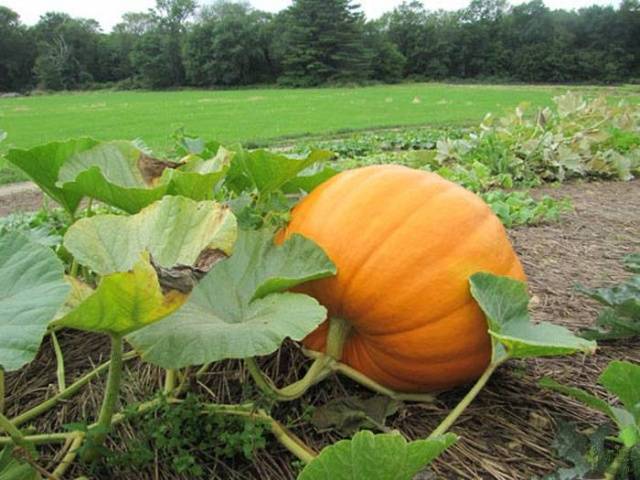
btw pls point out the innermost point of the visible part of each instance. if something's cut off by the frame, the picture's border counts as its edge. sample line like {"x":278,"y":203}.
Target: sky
{"x":108,"y":12}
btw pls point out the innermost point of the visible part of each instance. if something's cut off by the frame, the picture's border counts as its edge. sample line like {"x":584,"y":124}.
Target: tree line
{"x":315,"y":42}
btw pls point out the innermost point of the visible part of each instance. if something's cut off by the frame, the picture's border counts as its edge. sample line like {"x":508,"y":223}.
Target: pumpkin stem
{"x":317,"y":372}
{"x":339,"y":331}
{"x":367,"y":382}
{"x":468,"y":398}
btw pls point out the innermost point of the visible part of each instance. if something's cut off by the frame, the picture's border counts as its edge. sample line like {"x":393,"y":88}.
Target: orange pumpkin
{"x":405,"y":243}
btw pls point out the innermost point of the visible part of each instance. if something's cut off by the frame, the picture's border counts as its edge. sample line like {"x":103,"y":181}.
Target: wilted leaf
{"x":386,"y":456}
{"x":175,"y":231}
{"x":43,"y":163}
{"x":350,"y":414}
{"x":237,"y":310}
{"x":123,"y":302}
{"x":120,"y":174}
{"x":505,"y":301}
{"x":32,"y":289}
{"x":569,"y":104}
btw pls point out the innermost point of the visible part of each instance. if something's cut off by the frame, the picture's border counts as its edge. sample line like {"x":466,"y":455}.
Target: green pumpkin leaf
{"x":505,"y":301}
{"x":196,"y":178}
{"x":175,"y":231}
{"x":43,"y":163}
{"x":309,"y":179}
{"x":623,"y":380}
{"x":32,"y":289}
{"x":122,"y":175}
{"x":13,"y":469}
{"x":123,"y":302}
{"x":267,"y":171}
{"x":238,"y":310}
{"x":386,"y":456}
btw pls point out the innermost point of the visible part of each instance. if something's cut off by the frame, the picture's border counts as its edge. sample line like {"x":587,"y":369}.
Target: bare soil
{"x":24,"y":196}
{"x":506,"y":434}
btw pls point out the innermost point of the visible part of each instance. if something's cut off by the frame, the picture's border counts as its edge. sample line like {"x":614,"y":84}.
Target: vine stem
{"x":2,"y":399}
{"x":16,"y":435}
{"x":612,"y":470}
{"x":41,"y":439}
{"x":110,"y":397}
{"x":60,"y":374}
{"x":73,"y":272}
{"x":113,"y":382}
{"x":169,"y":381}
{"x":70,"y":456}
{"x":467,"y":399}
{"x":367,"y":382}
{"x":317,"y":372}
{"x":70,"y":390}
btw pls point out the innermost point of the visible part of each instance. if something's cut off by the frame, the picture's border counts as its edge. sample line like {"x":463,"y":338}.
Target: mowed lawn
{"x":252,"y":114}
{"x":259,"y":115}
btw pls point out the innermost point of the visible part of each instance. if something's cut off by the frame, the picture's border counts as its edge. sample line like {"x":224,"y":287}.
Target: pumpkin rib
{"x":339,"y":203}
{"x":411,"y":294}
{"x":373,"y":335}
{"x":345,"y":282}
{"x":348,"y":283}
{"x":382,"y":375}
{"x":414,"y":379}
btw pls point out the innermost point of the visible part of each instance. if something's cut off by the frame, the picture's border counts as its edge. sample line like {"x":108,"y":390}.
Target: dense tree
{"x":387,"y":63}
{"x":17,"y":52}
{"x":157,"y":52}
{"x":67,"y":50}
{"x":324,"y":43}
{"x":228,"y":46}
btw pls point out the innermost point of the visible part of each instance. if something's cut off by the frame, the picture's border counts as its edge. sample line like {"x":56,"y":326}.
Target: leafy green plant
{"x":621,"y":379}
{"x":45,"y":226}
{"x":621,"y":317}
{"x":577,"y":138}
{"x":175,"y":434}
{"x":588,"y":452}
{"x":375,"y":457}
{"x":519,"y":208}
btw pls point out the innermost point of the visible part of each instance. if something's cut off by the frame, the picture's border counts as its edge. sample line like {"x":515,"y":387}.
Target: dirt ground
{"x":24,"y":196}
{"x":506,"y":434}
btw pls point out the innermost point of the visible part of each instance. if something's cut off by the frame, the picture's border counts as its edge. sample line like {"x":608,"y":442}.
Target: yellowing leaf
{"x":175,"y":231}
{"x":124,"y":302}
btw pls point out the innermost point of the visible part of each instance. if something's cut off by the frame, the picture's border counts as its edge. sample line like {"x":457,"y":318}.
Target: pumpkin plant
{"x":621,"y":316}
{"x":178,"y":281}
{"x":621,"y":379}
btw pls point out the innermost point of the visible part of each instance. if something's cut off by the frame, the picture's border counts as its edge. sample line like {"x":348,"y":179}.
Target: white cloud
{"x":108,"y":12}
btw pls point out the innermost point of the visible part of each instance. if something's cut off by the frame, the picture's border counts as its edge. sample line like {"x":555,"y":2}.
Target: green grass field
{"x":257,"y":115}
